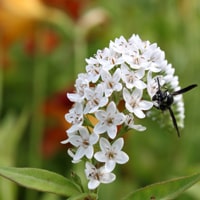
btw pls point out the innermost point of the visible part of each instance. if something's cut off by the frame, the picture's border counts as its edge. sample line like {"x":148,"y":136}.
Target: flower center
{"x":95,"y":102}
{"x":130,"y":78}
{"x":110,"y":121}
{"x":110,"y":84}
{"x":111,"y":155}
{"x":85,"y":143}
{"x":133,"y":102}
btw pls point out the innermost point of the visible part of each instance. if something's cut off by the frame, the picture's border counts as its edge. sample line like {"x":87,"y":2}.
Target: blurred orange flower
{"x":54,"y":110}
{"x":12,"y":27}
{"x":73,"y":8}
{"x":49,"y":40}
{"x":19,"y":19}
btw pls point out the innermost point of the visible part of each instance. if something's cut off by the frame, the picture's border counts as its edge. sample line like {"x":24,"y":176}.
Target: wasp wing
{"x":184,"y":89}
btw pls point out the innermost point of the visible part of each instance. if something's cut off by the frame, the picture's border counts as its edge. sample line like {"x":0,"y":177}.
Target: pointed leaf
{"x":167,"y":190}
{"x":39,"y":179}
{"x":89,"y":196}
{"x":11,"y":125}
{"x":12,"y":128}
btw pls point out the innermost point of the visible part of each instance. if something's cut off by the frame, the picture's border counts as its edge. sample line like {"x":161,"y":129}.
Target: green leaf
{"x":12,"y":128}
{"x":167,"y":190}
{"x":77,"y":180}
{"x":88,"y":196}
{"x":11,"y":125}
{"x":39,"y":179}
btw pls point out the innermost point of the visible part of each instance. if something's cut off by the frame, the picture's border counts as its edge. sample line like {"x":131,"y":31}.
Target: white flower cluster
{"x":117,"y":87}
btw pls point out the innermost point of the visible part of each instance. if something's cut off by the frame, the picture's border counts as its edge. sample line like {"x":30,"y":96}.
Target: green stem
{"x":37,"y":122}
{"x":80,"y":50}
{"x":122,"y":131}
{"x":62,"y":21}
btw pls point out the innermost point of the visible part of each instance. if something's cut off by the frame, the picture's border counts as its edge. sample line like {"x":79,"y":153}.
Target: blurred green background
{"x":43,"y":46}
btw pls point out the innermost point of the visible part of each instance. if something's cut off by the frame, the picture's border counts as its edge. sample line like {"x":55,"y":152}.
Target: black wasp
{"x":164,"y":100}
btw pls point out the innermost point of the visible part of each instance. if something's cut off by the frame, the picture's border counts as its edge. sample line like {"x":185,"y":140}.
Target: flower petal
{"x":110,"y":165}
{"x":79,"y":153}
{"x":139,"y":113}
{"x":145,"y":105}
{"x":112,"y":131}
{"x":118,"y":144}
{"x":137,"y":93}
{"x":126,"y":95}
{"x":89,"y":152}
{"x":104,"y":144}
{"x":75,"y":140}
{"x":100,"y":115}
{"x":100,"y":156}
{"x":119,"y":118}
{"x":140,"y":84}
{"x":111,"y":108}
{"x":122,"y":157}
{"x":99,"y":128}
{"x":93,"y":138}
{"x":84,"y":133}
{"x":108,"y":178}
{"x":92,"y":184}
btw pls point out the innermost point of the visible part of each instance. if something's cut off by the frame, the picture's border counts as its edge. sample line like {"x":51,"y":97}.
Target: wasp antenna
{"x":158,"y":83}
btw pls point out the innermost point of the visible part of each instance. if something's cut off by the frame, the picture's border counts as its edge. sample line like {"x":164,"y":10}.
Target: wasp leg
{"x":174,"y":121}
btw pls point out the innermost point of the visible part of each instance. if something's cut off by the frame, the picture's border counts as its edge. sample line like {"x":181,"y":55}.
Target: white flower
{"x":180,"y":110}
{"x":135,"y":57}
{"x":82,"y":82}
{"x":120,"y":45}
{"x":93,"y":69}
{"x":111,"y":83}
{"x":95,"y":99}
{"x":117,"y":75}
{"x":75,"y":117}
{"x":84,"y":142}
{"x":152,"y":84}
{"x":109,"y":58}
{"x":111,"y":154}
{"x":108,"y":120}
{"x":169,"y":70}
{"x":155,"y":58}
{"x":97,"y":176}
{"x":132,"y":78}
{"x":130,"y":123}
{"x":134,"y":104}
{"x":135,"y":60}
{"x":69,"y":136}
{"x":71,"y":154}
{"x":175,"y":83}
{"x":135,"y":41}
